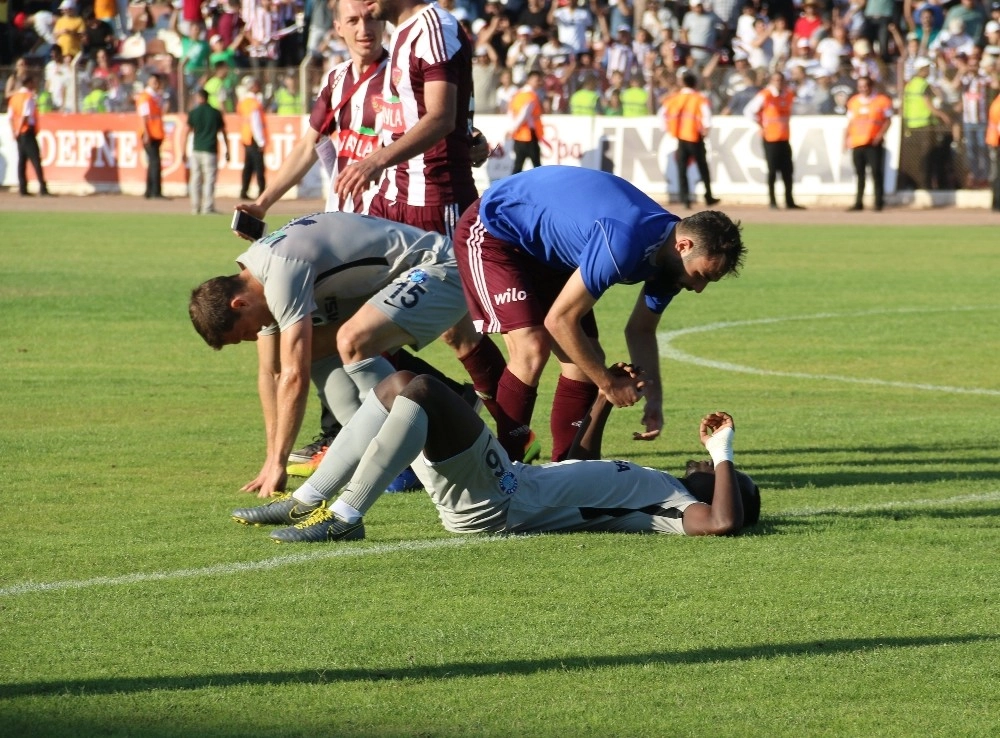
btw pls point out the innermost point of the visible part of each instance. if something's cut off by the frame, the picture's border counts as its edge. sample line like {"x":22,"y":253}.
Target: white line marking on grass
{"x":892,"y":505}
{"x":669,"y":352}
{"x":318,"y":554}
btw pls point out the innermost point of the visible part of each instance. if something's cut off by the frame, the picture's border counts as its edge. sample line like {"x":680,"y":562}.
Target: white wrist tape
{"x":720,"y":445}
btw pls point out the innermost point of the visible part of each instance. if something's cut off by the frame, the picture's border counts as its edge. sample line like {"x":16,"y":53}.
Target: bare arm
{"x":563,"y":324}
{"x":441,"y":100}
{"x":725,"y":515}
{"x":295,"y":166}
{"x":640,"y":337}
{"x":283,"y":384}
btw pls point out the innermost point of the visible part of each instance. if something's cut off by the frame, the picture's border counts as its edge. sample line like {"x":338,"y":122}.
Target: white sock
{"x":345,"y":452}
{"x":308,"y":495}
{"x":368,"y":372}
{"x":344,"y":511}
{"x":400,"y":439}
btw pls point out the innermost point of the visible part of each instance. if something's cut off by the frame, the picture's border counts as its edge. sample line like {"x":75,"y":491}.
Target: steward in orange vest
{"x":526,"y":127}
{"x":23,"y":114}
{"x":687,"y":117}
{"x":771,"y":110}
{"x":150,"y":109}
{"x":868,"y":117}
{"x":253,"y":133}
{"x":993,"y":141}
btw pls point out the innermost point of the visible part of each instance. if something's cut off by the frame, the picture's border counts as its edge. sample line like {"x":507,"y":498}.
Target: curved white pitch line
{"x":319,"y":553}
{"x":669,"y":352}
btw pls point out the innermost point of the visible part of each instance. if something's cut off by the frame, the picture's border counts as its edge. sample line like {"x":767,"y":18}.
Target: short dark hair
{"x":210,"y":310}
{"x":715,"y":234}
{"x":689,"y":79}
{"x":701,"y":485}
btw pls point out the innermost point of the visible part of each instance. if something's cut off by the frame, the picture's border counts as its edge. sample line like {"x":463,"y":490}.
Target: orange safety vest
{"x":683,"y":114}
{"x":993,"y":126}
{"x":532,"y":120}
{"x":774,"y":114}
{"x":865,"y":118}
{"x":248,"y":107}
{"x":153,"y":119}
{"x":22,"y":113}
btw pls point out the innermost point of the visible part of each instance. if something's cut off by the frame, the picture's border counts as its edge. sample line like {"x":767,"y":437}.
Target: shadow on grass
{"x":526,"y":667}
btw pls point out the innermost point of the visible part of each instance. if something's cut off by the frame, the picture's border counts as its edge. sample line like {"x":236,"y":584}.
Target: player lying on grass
{"x":478,"y":489}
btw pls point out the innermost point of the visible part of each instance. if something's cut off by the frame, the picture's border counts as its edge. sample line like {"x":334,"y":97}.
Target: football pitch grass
{"x":860,"y":365}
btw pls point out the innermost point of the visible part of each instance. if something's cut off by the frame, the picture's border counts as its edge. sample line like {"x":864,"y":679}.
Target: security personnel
{"x":287,"y":100}
{"x":993,"y":141}
{"x":688,"y":116}
{"x":96,"y":101}
{"x":23,"y":117}
{"x":869,"y":114}
{"x":635,"y":98}
{"x":527,"y":129}
{"x":253,"y":133}
{"x":586,"y":100}
{"x":917,"y":169}
{"x":771,"y":109}
{"x":150,"y":109}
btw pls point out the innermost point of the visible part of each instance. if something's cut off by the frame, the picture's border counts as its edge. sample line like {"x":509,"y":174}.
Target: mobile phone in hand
{"x":247,"y":225}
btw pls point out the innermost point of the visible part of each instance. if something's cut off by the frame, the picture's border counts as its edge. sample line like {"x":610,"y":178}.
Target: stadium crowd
{"x":611,"y":57}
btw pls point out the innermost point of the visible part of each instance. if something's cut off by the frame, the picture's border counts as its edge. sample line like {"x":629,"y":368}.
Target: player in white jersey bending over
{"x":478,"y":489}
{"x":344,"y":126}
{"x":323,"y":284}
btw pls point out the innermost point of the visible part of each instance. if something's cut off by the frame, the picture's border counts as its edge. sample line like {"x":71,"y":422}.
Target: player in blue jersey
{"x":539,"y":249}
{"x":477,"y":488}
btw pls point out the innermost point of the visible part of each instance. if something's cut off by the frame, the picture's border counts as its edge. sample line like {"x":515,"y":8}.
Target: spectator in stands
{"x":953,"y":40}
{"x":927,"y":27}
{"x":58,"y":76}
{"x":320,"y":24}
{"x":149,"y":106}
{"x":975,"y":91}
{"x":972,"y":15}
{"x":205,"y":125}
{"x":98,"y":36}
{"x":195,"y":52}
{"x":833,"y":49}
{"x":262,"y":25}
{"x":808,"y":24}
{"x":23,"y":117}
{"x":485,"y":78}
{"x":222,"y":52}
{"x":522,"y":55}
{"x":229,"y":25}
{"x":42,"y":25}
{"x":619,"y":56}
{"x":621,"y":14}
{"x":739,"y":100}
{"x":572,"y":22}
{"x":771,"y":109}
{"x":13,"y":83}
{"x":253,"y":134}
{"x":535,"y":15}
{"x":613,"y":102}
{"x":526,"y":127}
{"x":506,"y":89}
{"x":863,"y":61}
{"x":802,"y":57}
{"x":781,"y":40}
{"x":760,"y":50}
{"x":69,"y":29}
{"x":100,"y":67}
{"x":700,"y":30}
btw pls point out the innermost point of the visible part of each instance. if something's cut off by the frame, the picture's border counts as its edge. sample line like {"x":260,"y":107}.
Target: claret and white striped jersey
{"x":347,"y":111}
{"x":429,"y":46}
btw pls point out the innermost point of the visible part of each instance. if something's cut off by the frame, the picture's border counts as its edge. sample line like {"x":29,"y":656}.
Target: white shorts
{"x":425,"y":301}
